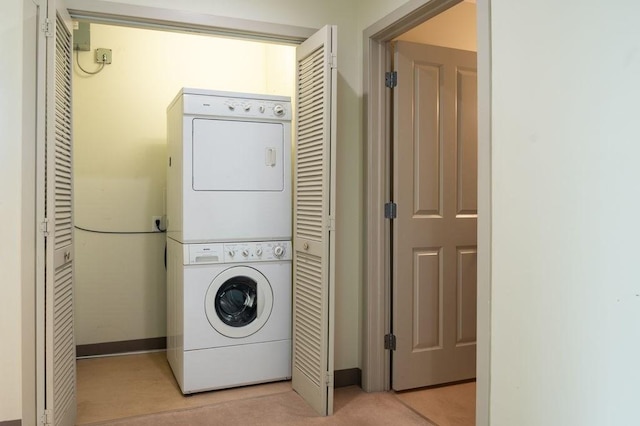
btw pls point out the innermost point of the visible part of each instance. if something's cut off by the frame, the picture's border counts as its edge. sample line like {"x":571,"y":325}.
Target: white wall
{"x":565,"y":147}
{"x":120,"y":162}
{"x":11,"y":21}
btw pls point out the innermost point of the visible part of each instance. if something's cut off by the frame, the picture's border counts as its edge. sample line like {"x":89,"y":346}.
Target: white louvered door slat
{"x":314,"y":207}
{"x":60,"y":366}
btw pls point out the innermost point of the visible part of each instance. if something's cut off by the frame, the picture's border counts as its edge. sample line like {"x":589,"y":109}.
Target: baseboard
{"x":341,"y":378}
{"x":11,"y":423}
{"x":110,"y":348}
{"x":348,"y":377}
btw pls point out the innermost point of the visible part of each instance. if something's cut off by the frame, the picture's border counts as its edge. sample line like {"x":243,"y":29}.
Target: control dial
{"x":278,"y":110}
{"x":278,"y":251}
{"x":231,"y":252}
{"x":245,"y":252}
{"x":258,"y":251}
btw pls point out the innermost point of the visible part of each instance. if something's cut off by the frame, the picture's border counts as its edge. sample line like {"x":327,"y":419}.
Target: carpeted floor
{"x":452,"y":405}
{"x":141,"y":390}
{"x":353,"y":407}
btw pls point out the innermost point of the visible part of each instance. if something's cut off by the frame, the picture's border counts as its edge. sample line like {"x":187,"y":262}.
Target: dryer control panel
{"x":239,"y":107}
{"x":237,"y":252}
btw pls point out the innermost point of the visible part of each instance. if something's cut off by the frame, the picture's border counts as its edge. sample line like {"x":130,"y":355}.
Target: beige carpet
{"x":131,"y":385}
{"x":353,"y":407}
{"x":452,"y":405}
{"x":141,"y":388}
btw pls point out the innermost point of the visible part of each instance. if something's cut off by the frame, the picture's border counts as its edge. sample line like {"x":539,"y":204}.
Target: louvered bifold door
{"x":60,"y":368}
{"x":314,"y":220}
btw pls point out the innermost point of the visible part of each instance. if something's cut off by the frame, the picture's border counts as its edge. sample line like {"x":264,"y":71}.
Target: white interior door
{"x":434,"y":234}
{"x":314,"y":218}
{"x":60,"y":359}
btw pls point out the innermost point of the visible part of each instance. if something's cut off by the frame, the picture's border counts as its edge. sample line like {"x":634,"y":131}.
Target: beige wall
{"x":454,"y":28}
{"x":350,"y":196}
{"x":120,"y":162}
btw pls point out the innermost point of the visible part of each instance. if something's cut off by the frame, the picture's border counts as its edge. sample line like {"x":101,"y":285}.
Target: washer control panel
{"x":262,"y":251}
{"x":237,"y":252}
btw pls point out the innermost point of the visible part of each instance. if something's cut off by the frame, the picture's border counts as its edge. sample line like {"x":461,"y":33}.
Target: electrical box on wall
{"x":103,"y":56}
{"x":81,"y":36}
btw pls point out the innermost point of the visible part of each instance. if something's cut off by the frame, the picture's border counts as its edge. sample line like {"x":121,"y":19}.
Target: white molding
{"x":483,"y":346}
{"x":32,"y":386}
{"x":376,"y":289}
{"x":180,"y":20}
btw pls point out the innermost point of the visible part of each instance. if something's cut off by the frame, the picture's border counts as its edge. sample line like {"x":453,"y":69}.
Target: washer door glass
{"x":238,"y":301}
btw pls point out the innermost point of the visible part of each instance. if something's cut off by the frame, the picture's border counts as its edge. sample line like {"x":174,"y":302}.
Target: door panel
{"x":60,"y":355}
{"x":314,"y":213}
{"x":434,"y":234}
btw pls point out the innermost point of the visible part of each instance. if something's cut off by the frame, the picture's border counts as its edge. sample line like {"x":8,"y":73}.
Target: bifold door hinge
{"x":333,"y":60}
{"x":328,"y":379}
{"x":47,"y":28}
{"x":391,"y":79}
{"x":390,"y":210}
{"x":44,"y":227}
{"x":47,"y":417}
{"x":390,"y":342}
{"x":332,"y":223}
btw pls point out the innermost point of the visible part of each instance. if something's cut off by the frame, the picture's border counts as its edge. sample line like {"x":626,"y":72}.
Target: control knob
{"x":245,"y":252}
{"x":231,"y":252}
{"x":278,"y":251}
{"x":258,"y":251}
{"x":278,"y":110}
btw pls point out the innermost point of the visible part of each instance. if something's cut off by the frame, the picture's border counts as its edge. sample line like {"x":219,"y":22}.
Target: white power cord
{"x":85,"y":71}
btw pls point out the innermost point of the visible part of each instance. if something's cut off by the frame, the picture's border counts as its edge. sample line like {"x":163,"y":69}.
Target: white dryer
{"x":228,"y":313}
{"x":229,"y":167}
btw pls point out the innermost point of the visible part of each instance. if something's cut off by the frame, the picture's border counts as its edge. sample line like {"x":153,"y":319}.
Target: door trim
{"x":176,"y":20}
{"x":377,"y":108}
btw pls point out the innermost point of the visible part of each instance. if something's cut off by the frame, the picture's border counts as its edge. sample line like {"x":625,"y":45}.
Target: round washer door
{"x":238,"y":302}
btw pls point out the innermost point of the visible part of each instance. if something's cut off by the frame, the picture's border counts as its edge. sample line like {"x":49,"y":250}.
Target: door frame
{"x":115,"y":14}
{"x":376,"y":365}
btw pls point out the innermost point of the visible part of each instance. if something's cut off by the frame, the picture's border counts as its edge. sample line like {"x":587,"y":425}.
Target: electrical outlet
{"x":155,"y":225}
{"x":103,"y":56}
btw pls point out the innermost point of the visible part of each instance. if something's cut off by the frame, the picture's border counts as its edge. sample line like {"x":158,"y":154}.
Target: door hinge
{"x":333,"y":61}
{"x":47,"y":28}
{"x":47,"y":417}
{"x":332,"y":223}
{"x":44,"y":227}
{"x":390,"y":342}
{"x":391,"y":79}
{"x":328,"y":378}
{"x":390,"y":210}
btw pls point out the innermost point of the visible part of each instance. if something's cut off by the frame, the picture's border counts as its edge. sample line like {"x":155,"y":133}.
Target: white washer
{"x":228,"y":313}
{"x":229,"y":167}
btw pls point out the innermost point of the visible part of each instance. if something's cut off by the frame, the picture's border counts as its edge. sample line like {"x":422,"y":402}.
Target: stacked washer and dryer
{"x":228,"y":239}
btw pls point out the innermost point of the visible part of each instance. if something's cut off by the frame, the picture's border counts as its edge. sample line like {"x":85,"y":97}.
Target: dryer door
{"x":238,"y":155}
{"x":238,"y":302}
